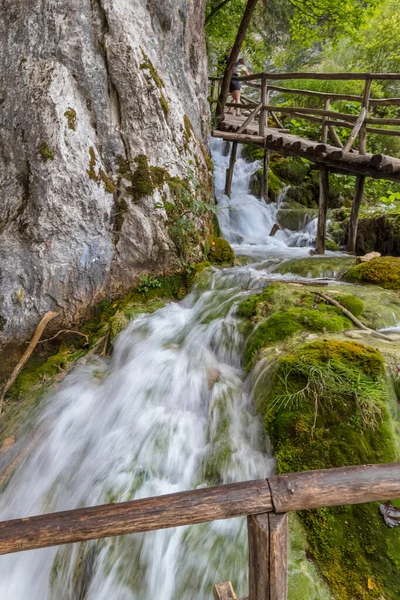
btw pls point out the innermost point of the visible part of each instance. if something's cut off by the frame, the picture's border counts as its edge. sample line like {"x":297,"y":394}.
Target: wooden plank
{"x":355,"y":209}
{"x":311,"y":111}
{"x":335,"y":487}
{"x":264,"y":112}
{"x":356,"y":129}
{"x":336,"y":139}
{"x":224,"y":591}
{"x":322,"y":210}
{"x":268,"y":556}
{"x":230,"y":169}
{"x":324,"y":95}
{"x":322,"y":76}
{"x":172,"y":510}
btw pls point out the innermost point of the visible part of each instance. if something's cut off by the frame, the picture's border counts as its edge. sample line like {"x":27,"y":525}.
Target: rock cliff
{"x":103,"y":112}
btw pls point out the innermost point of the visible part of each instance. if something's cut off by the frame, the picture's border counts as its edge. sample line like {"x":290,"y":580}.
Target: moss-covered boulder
{"x":282,"y":311}
{"x":275,"y":185}
{"x":291,"y":170}
{"x":384,"y":271}
{"x":220,"y":251}
{"x":328,"y":405}
{"x":315,"y":266}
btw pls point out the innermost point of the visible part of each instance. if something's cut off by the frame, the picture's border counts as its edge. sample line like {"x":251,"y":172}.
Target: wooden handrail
{"x":318,"y":76}
{"x":282,"y":493}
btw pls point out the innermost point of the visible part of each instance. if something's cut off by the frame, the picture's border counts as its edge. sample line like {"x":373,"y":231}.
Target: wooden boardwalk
{"x":260,"y":123}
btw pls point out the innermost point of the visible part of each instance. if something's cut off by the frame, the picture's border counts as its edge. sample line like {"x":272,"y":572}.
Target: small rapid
{"x":170,"y":410}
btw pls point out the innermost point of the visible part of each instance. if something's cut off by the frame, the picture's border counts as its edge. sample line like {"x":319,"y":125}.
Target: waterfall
{"x":170,"y":410}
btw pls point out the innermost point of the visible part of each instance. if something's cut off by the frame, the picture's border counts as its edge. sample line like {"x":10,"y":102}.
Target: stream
{"x":171,"y":410}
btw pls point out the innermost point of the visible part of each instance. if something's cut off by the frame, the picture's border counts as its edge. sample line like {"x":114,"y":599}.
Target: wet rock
{"x":367,"y":257}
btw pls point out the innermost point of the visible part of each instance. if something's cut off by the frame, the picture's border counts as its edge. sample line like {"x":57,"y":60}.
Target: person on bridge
{"x":234,"y":87}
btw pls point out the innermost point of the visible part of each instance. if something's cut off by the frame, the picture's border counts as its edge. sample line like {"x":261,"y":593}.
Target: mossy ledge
{"x":384,"y":271}
{"x":51,"y":361}
{"x":329,"y":405}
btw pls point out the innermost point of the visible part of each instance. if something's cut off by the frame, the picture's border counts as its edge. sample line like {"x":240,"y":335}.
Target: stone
{"x":367,"y":257}
{"x":85,"y":85}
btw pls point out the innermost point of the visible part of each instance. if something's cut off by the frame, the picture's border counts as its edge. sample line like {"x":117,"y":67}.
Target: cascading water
{"x":171,"y":410}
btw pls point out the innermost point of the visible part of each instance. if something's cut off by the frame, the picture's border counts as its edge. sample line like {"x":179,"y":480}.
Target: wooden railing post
{"x":268,"y":556}
{"x":264,"y":102}
{"x":325,"y":119}
{"x":230,"y":169}
{"x":360,"y":180}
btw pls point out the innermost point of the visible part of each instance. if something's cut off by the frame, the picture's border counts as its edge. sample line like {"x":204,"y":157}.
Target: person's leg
{"x":230,"y":109}
{"x":236,"y":100}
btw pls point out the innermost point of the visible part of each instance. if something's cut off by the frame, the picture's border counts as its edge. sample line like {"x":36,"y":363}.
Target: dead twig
{"x":67,"y":331}
{"x":352,"y":317}
{"x":49,"y":316}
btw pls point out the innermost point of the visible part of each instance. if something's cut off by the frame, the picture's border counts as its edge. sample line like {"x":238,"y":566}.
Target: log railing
{"x":265,"y":502}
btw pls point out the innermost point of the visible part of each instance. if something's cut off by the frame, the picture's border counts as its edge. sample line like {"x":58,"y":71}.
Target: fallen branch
{"x":49,"y":316}
{"x":67,"y":331}
{"x":352,"y":317}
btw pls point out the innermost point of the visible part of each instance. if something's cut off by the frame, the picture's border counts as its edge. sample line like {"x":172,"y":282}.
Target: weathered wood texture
{"x":322,"y":210}
{"x":322,"y":154}
{"x":172,"y":510}
{"x":230,"y":169}
{"x":268,"y":556}
{"x":335,"y":487}
{"x":355,"y":209}
{"x":224,"y":591}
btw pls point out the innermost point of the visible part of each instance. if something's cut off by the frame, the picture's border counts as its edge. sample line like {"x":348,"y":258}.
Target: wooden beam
{"x":311,"y":111}
{"x":224,"y":591}
{"x":230,"y":169}
{"x":324,"y":95}
{"x":336,"y":139}
{"x":268,"y":556}
{"x":324,"y":137}
{"x":335,"y":487}
{"x":322,"y":210}
{"x":363,"y":132}
{"x":264,"y":113}
{"x":355,"y":209}
{"x":172,"y":510}
{"x":250,"y":118}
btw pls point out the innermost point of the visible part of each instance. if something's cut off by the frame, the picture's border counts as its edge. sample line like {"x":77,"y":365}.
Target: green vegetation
{"x":314,"y":267}
{"x":70,"y":114}
{"x":328,"y":405}
{"x":384,"y":271}
{"x":101,"y":176}
{"x":220,"y":251}
{"x":45,"y":152}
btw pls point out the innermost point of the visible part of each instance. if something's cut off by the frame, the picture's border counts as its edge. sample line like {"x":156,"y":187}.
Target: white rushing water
{"x":170,"y":411}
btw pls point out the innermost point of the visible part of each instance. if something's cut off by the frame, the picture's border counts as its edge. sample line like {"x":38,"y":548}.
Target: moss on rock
{"x":328,"y":405}
{"x":220,"y":251}
{"x":384,"y":271}
{"x":327,"y":266}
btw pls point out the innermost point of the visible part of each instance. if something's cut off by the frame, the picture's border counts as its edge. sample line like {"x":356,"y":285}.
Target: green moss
{"x":332,"y":246}
{"x":187,"y":131}
{"x":328,"y":406}
{"x":275,"y":185}
{"x":121,"y":208}
{"x":291,"y":170}
{"x":328,"y":266}
{"x":70,"y":115}
{"x":220,"y":251}
{"x":45,"y":151}
{"x":352,"y":303}
{"x":92,"y":165}
{"x":141,"y":182}
{"x":384,"y":271}
{"x":164,"y":104}
{"x":295,"y":217}
{"x":147,"y":65}
{"x":107,"y":181}
{"x":195,"y":271}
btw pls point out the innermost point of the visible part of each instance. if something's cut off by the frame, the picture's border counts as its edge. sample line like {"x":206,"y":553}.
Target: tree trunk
{"x":248,"y":13}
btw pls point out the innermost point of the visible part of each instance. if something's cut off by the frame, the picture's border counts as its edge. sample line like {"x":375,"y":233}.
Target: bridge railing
{"x":265,"y":502}
{"x":359,"y":125}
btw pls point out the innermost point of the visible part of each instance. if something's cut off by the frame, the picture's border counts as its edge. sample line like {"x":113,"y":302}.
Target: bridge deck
{"x":336,"y":159}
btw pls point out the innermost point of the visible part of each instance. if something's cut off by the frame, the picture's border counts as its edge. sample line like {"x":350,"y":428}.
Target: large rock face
{"x":87,"y":86}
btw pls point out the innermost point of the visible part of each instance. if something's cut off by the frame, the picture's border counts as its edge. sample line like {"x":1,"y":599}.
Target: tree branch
{"x":214,"y":11}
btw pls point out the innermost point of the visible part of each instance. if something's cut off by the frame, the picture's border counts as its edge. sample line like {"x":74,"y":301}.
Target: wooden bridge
{"x":260,"y":124}
{"x":265,"y":502}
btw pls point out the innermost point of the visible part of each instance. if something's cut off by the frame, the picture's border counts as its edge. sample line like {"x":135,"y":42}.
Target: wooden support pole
{"x":355,"y":209}
{"x":264,"y":103}
{"x":230,"y":169}
{"x":268,"y":556}
{"x":324,"y":137}
{"x":264,"y":191}
{"x":322,"y":210}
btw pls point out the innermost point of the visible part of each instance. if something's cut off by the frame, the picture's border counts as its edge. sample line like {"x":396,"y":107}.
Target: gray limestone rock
{"x":84,"y":85}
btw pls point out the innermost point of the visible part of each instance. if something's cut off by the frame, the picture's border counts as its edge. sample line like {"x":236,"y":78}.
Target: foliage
{"x":328,"y":406}
{"x":220,"y":251}
{"x":148,"y":282}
